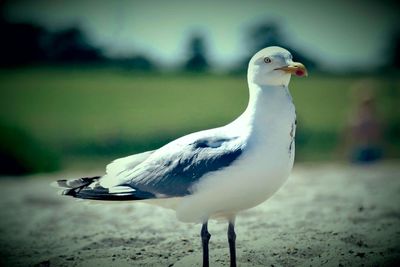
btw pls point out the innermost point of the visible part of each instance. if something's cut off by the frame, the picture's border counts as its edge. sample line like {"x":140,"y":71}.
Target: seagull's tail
{"x":90,"y":188}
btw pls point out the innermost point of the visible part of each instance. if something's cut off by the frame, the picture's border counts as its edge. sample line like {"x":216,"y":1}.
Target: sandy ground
{"x":326,"y":215}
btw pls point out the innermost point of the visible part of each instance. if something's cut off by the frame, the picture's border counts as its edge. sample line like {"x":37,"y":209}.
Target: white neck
{"x":268,"y":124}
{"x":267,"y":104}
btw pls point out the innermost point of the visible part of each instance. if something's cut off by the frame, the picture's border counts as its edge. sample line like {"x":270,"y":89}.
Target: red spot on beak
{"x":299,"y":72}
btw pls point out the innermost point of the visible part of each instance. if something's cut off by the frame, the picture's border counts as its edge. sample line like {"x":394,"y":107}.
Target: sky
{"x":338,"y":34}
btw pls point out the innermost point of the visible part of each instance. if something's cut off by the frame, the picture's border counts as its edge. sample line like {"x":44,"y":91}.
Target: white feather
{"x":115,"y":168}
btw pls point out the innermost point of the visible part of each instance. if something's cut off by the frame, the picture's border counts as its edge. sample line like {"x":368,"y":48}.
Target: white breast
{"x":263,"y":167}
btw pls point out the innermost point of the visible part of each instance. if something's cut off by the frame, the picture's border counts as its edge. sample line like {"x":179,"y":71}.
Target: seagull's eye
{"x":267,"y":60}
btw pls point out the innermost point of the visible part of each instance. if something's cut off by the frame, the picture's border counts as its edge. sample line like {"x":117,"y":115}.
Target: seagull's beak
{"x":295,"y":68}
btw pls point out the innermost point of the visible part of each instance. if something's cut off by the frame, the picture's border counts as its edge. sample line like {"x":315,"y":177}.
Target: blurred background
{"x":84,"y":82}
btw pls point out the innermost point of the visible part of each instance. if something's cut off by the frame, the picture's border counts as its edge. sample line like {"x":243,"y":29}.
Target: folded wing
{"x":170,"y":171}
{"x":173,"y":170}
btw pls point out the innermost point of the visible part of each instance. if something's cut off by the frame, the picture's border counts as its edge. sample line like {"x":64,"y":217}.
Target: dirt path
{"x":326,"y":215}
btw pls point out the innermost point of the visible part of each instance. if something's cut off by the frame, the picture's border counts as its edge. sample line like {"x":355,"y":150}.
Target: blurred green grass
{"x":108,"y":112}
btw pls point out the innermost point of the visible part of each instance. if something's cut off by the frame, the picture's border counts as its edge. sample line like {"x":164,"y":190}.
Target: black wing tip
{"x":101,"y":193}
{"x":109,"y":197}
{"x":76,"y":183}
{"x":62,"y":183}
{"x":69,"y":192}
{"x":73,"y":186}
{"x":78,"y":188}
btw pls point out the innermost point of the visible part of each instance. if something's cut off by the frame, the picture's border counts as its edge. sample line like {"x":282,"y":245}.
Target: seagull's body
{"x":218,"y":172}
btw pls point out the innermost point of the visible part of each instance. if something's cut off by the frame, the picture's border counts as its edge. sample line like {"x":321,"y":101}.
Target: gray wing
{"x":174,"y":170}
{"x":170,"y":171}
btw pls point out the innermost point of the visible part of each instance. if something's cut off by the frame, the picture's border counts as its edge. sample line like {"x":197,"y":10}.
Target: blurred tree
{"x":263,"y":35}
{"x":24,"y":43}
{"x":197,"y":61}
{"x":71,"y":45}
{"x":393,"y":60}
{"x":269,"y":34}
{"x":21,"y":43}
{"x":138,"y":62}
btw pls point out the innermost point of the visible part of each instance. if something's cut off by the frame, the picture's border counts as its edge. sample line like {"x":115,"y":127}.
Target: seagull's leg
{"x":231,"y":240}
{"x":205,"y":237}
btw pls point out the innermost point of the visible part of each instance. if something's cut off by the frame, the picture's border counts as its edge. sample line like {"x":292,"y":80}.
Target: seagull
{"x":214,"y":173}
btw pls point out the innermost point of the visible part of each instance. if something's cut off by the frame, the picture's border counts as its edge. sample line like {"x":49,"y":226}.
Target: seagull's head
{"x":273,"y":66}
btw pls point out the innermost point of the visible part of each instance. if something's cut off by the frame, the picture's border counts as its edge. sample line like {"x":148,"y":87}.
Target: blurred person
{"x":363,"y":132}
